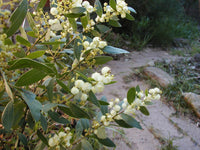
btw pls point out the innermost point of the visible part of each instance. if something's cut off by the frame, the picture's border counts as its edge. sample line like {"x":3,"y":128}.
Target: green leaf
{"x":8,"y":41}
{"x":63,"y":86}
{"x":101,"y":132}
{"x":17,"y":17}
{"x":8,"y":116}
{"x":32,"y":24}
{"x":57,"y":118}
{"x":35,"y":54}
{"x":43,"y":122}
{"x":72,"y":15}
{"x":81,"y":125}
{"x":52,"y":43}
{"x":23,"y":139}
{"x":104,"y":108}
{"x":129,"y":17}
{"x":144,"y":110}
{"x":84,"y":21}
{"x":78,"y":47}
{"x":66,"y":110}
{"x":50,"y":87}
{"x":98,"y":7}
{"x":99,"y":60}
{"x":114,"y":50}
{"x":41,"y":4}
{"x":112,"y":3}
{"x":78,"y":10}
{"x":103,"y":102}
{"x":83,"y":76}
{"x":131,"y":121}
{"x":93,"y":99}
{"x":18,"y":112}
{"x":72,"y":21}
{"x":23,"y":41}
{"x":137,"y":88}
{"x":86,"y":145}
{"x":42,"y":137}
{"x":114,"y":23}
{"x":148,"y":103}
{"x":20,"y":54}
{"x":131,"y":95}
{"x":106,"y":142}
{"x":34,"y":105}
{"x":7,"y":87}
{"x":26,"y":62}
{"x":122,"y":123}
{"x":78,"y":112}
{"x":132,"y":10}
{"x":102,"y":28}
{"x":30,"y":120}
{"x":79,"y":128}
{"x":48,"y":107}
{"x":32,"y":34}
{"x":30,"y":77}
{"x":23,"y":33}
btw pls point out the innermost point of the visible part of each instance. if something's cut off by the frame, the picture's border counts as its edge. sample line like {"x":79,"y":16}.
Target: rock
{"x":158,"y":75}
{"x":194,"y":101}
{"x":151,"y":64}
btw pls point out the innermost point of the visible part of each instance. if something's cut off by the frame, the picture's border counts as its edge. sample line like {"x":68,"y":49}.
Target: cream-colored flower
{"x":74,"y":90}
{"x":84,"y":97}
{"x":54,"y":11}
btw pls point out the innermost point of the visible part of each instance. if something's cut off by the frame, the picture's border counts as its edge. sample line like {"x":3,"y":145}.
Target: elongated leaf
{"x":43,"y":122}
{"x":42,"y":137}
{"x":72,"y":21}
{"x":20,"y":54}
{"x":30,"y":120}
{"x":8,"y":116}
{"x":137,"y":88}
{"x":35,"y":54}
{"x":30,"y":77}
{"x":81,"y":125}
{"x":23,"y":33}
{"x":102,"y":28}
{"x":26,"y":62}
{"x":52,"y":43}
{"x":131,"y":95}
{"x":122,"y":123}
{"x":17,"y":17}
{"x":144,"y":110}
{"x":63,"y":86}
{"x":83,"y":76}
{"x":34,"y":105}
{"x":78,"y":112}
{"x":131,"y":121}
{"x":107,"y":142}
{"x":50,"y":89}
{"x":129,"y":17}
{"x":7,"y":87}
{"x":32,"y":24}
{"x":114,"y":50}
{"x":113,"y":4}
{"x":57,"y":118}
{"x":114,"y":23}
{"x":84,"y":21}
{"x":32,"y":34}
{"x":103,"y":102}
{"x":132,"y":10}
{"x":23,"y":138}
{"x":48,"y":107}
{"x":98,"y":7}
{"x":18,"y":112}
{"x":78,"y":10}
{"x":78,"y":47}
{"x":72,"y":15}
{"x":41,"y":4}
{"x":85,"y":145}
{"x":23,"y":41}
{"x":99,"y":60}
{"x":66,"y":110}
{"x":104,"y":108}
{"x":93,"y":99}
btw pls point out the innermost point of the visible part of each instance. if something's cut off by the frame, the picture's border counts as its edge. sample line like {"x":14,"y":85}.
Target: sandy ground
{"x":162,"y":124}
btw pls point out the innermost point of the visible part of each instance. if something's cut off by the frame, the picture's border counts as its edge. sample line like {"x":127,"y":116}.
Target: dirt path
{"x":162,"y":124}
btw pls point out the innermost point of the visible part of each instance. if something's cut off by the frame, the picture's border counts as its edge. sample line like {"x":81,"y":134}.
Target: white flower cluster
{"x":81,"y":88}
{"x":95,"y":46}
{"x":81,"y":3}
{"x":62,"y":138}
{"x":130,"y":109}
{"x":121,"y":9}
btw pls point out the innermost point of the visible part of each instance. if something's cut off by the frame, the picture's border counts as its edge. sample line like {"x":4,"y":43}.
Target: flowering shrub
{"x":47,"y":92}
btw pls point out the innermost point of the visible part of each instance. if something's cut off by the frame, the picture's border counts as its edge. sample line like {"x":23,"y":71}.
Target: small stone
{"x":158,"y":75}
{"x":194,"y":101}
{"x":151,"y":63}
